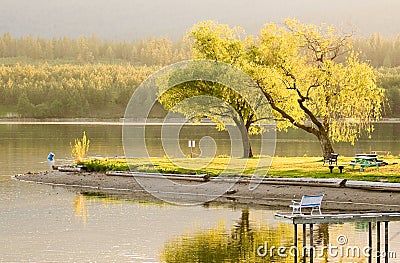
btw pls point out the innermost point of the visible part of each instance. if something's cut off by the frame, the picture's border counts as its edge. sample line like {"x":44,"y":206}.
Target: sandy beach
{"x":273,"y":193}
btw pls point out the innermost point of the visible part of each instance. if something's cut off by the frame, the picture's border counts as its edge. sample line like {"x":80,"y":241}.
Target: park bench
{"x":307,"y":201}
{"x":333,"y":162}
{"x":332,"y":159}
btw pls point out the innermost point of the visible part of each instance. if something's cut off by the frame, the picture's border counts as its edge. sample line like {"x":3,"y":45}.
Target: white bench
{"x":307,"y":201}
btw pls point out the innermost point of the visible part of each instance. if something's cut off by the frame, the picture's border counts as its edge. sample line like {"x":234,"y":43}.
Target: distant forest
{"x":376,"y":50}
{"x":150,"y":52}
{"x":89,"y":77}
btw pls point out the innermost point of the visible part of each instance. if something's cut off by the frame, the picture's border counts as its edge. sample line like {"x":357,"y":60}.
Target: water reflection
{"x":237,"y":244}
{"x":241,"y":242}
{"x":53,"y":224}
{"x":80,"y":207}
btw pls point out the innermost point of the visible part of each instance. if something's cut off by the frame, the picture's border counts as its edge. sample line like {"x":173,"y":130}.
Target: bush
{"x":98,"y":165}
{"x":80,"y":149}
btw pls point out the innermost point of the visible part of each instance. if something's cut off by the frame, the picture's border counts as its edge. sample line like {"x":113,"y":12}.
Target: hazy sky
{"x":135,"y":19}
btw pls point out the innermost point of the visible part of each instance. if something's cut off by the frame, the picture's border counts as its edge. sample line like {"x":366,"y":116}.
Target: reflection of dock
{"x":372,"y":217}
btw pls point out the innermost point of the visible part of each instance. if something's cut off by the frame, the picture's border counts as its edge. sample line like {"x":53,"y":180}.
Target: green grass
{"x":285,"y":167}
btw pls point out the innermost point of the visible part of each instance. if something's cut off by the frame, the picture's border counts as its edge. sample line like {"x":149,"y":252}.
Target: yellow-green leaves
{"x":310,"y":74}
{"x":80,"y":149}
{"x":216,"y":42}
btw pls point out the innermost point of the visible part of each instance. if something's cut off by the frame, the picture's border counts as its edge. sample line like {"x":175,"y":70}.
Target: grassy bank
{"x":290,"y":167}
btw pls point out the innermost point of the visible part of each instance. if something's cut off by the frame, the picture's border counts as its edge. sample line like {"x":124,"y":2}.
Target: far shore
{"x":357,"y":196}
{"x":120,"y":121}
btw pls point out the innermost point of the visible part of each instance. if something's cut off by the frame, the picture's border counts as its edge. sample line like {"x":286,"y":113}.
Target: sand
{"x":276,"y":194}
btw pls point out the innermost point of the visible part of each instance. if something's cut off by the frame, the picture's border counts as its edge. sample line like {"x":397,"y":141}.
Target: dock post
{"x":386,"y":242}
{"x":295,"y":244}
{"x":311,"y":244}
{"x":378,"y":242}
{"x":304,"y":243}
{"x":370,"y":241}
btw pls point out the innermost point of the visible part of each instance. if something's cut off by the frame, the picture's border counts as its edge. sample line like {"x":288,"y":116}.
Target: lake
{"x":52,"y":224}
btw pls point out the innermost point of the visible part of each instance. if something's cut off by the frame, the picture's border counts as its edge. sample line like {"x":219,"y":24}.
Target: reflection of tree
{"x":240,"y":244}
{"x":81,"y":200}
{"x":323,"y":236}
{"x":242,"y":235}
{"x":80,"y":207}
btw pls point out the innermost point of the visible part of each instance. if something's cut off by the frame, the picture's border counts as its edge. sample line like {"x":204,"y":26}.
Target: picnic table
{"x":365,"y":160}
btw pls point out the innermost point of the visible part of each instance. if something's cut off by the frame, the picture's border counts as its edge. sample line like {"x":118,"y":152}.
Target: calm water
{"x":51,"y":224}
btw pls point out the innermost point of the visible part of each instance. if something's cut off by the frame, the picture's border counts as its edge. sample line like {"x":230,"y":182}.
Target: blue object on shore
{"x":50,"y":157}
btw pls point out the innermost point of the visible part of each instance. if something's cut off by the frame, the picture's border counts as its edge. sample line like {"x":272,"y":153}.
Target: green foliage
{"x":155,"y":51}
{"x":24,"y":106}
{"x":222,"y":93}
{"x":102,"y":165}
{"x":389,"y":79}
{"x":296,"y":68}
{"x":48,"y":70}
{"x":375,"y":49}
{"x":69,"y":90}
{"x":379,"y":51}
{"x":80,"y":149}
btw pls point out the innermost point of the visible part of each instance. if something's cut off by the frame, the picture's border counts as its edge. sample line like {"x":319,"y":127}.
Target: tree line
{"x":154,"y":51}
{"x":389,"y":79}
{"x":84,"y":77}
{"x":89,"y":90}
{"x":376,"y":50}
{"x":42,"y":91}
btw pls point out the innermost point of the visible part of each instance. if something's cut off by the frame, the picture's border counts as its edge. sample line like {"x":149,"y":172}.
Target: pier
{"x":380,"y":218}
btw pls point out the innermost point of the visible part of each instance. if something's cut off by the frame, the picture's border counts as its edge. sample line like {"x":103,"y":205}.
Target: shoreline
{"x":276,"y":192}
{"x":120,"y":121}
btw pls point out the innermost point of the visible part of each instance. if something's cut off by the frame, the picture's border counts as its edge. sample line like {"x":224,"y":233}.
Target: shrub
{"x":80,"y":149}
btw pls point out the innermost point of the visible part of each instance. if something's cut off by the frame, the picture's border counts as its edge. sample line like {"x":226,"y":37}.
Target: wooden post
{"x":370,"y":241}
{"x":191,"y":145}
{"x":304,"y":242}
{"x":386,"y":242}
{"x":295,"y":243}
{"x":378,"y":242}
{"x":311,"y":244}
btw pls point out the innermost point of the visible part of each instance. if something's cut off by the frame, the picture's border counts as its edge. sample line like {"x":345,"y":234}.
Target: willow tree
{"x":311,"y":76}
{"x":223,"y":105}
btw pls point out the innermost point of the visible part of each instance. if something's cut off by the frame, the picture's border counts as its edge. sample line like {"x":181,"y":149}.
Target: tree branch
{"x":284,"y":114}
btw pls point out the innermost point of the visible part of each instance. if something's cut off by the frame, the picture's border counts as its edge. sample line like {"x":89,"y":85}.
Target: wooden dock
{"x":370,"y":217}
{"x":338,"y":218}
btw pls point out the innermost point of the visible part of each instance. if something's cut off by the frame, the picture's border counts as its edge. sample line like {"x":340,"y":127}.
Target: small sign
{"x":191,"y":145}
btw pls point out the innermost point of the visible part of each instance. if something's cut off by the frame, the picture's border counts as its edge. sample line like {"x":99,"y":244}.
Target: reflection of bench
{"x":307,"y":201}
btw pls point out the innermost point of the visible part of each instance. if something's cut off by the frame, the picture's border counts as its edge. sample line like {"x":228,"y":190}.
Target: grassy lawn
{"x":290,"y":167}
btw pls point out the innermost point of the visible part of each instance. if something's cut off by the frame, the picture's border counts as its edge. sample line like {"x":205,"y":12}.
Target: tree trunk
{"x":244,"y":132}
{"x":247,"y":151}
{"x":326,"y":144}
